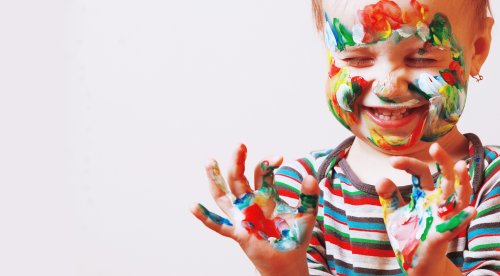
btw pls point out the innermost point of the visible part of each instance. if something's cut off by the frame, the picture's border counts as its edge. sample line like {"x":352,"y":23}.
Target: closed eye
{"x":359,"y":62}
{"x":421,"y":62}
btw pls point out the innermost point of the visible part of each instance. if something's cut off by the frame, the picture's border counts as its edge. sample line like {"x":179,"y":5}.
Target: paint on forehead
{"x":378,"y":22}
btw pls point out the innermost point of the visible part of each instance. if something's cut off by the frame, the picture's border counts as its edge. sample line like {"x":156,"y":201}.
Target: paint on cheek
{"x":446,"y":92}
{"x":452,"y":223}
{"x":338,"y":94}
{"x":214,"y":217}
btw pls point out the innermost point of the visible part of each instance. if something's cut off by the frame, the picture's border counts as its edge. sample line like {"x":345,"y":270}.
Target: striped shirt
{"x":350,"y":237}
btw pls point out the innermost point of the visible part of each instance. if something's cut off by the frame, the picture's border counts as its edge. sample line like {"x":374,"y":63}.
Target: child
{"x":409,"y":193}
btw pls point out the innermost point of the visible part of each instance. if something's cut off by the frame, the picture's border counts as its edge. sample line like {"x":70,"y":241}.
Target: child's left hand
{"x":420,"y":231}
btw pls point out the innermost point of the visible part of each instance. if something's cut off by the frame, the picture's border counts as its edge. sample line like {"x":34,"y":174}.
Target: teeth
{"x":390,"y":115}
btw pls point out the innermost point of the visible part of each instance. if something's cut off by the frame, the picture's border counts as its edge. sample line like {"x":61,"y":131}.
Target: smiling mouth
{"x":394,"y":116}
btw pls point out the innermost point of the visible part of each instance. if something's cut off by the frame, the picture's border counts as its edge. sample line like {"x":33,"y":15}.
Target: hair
{"x":481,"y":8}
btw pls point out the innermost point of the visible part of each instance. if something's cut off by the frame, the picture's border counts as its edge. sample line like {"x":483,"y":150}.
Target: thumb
{"x":309,"y":195}
{"x":307,"y":209}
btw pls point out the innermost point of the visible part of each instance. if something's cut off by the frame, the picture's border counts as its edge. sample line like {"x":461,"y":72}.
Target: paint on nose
{"x":385,"y":91}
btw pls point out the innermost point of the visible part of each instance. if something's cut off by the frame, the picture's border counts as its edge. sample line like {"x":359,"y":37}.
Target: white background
{"x":110,"y":109}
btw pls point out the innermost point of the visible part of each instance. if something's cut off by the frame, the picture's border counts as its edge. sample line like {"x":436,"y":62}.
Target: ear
{"x":481,"y":49}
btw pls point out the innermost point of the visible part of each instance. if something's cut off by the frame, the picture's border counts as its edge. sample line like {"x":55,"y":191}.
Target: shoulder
{"x":490,"y":188}
{"x":307,"y":165}
{"x":492,"y":162}
{"x":289,"y":176}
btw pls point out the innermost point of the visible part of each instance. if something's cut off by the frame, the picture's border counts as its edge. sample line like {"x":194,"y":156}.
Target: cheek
{"x":446,"y":96}
{"x":343,"y":90}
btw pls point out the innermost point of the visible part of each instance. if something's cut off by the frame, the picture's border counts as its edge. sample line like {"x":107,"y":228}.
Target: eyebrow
{"x":433,"y":48}
{"x":356,"y":48}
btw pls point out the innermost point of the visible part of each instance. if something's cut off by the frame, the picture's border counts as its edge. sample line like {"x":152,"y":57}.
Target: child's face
{"x":398,"y":69}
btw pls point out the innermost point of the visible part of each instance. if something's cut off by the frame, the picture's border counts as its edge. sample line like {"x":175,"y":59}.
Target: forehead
{"x":347,"y":11}
{"x":378,"y":14}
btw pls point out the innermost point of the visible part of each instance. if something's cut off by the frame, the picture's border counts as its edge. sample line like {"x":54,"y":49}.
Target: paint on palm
{"x":263,"y":214}
{"x":383,"y":21}
{"x":409,"y":226}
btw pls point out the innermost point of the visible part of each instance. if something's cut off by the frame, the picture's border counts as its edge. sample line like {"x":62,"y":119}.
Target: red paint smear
{"x":449,"y":77}
{"x":333,"y":70}
{"x":380,"y":18}
{"x":409,"y":251}
{"x":446,"y":209}
{"x":417,"y":14}
{"x":360,"y":81}
{"x":255,"y":216}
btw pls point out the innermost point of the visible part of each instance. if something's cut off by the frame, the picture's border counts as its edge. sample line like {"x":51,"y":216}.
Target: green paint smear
{"x":441,"y":35}
{"x":386,"y":99}
{"x":428,"y":223}
{"x":412,"y":87}
{"x":342,"y":35}
{"x":452,"y":223}
{"x":307,"y":202}
{"x":268,"y":177}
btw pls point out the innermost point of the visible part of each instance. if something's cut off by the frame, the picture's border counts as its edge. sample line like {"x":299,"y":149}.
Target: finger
{"x":307,"y":209}
{"x":389,"y":196}
{"x":416,"y":168}
{"x":213,"y":221}
{"x":309,"y":195}
{"x":464,"y":187}
{"x":451,"y":228}
{"x":446,"y":164}
{"x":264,"y":172}
{"x":238,"y":183}
{"x":460,"y":197}
{"x":218,"y":189}
{"x":213,"y":172}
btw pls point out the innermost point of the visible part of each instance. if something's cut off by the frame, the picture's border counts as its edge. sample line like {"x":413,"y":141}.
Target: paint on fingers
{"x":448,"y":206}
{"x":453,"y":222}
{"x":267,"y":174}
{"x":307,"y":202}
{"x":216,"y":177}
{"x":213,"y":216}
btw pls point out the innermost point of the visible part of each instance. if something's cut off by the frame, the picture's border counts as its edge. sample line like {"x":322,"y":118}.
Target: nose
{"x":392,"y":86}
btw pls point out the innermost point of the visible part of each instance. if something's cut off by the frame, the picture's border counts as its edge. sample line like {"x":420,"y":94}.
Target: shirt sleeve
{"x":482,"y":256}
{"x":288,"y":179}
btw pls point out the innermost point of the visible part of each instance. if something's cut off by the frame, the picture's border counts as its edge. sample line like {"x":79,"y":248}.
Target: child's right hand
{"x":272,"y":234}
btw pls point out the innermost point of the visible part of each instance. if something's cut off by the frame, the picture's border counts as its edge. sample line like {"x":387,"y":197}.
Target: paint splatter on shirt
{"x":350,"y":237}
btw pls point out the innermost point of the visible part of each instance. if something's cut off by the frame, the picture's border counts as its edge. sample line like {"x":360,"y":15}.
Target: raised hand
{"x":274,"y":235}
{"x":419,"y":231}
